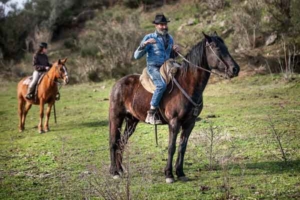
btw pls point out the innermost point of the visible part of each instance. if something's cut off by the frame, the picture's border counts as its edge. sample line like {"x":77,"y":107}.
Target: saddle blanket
{"x":28,"y":80}
{"x":167,"y":71}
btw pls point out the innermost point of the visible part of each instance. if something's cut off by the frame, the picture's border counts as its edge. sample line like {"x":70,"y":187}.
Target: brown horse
{"x":47,"y":90}
{"x":130,"y":101}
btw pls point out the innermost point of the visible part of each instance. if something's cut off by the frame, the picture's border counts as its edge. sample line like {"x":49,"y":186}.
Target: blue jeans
{"x":160,"y":84}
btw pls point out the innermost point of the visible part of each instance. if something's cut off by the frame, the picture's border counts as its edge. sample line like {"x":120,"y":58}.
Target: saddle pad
{"x":28,"y":80}
{"x":167,"y":70}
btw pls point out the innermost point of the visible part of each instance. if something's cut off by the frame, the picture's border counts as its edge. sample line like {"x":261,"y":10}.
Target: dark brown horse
{"x":129,"y":101}
{"x":47,"y":91}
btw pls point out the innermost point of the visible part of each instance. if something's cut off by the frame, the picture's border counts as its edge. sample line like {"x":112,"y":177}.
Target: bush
{"x":89,"y":49}
{"x":247,"y":22}
{"x":70,"y":43}
{"x":216,"y":4}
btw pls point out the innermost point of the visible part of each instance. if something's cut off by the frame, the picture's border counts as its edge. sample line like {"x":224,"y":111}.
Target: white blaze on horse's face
{"x":66,"y":77}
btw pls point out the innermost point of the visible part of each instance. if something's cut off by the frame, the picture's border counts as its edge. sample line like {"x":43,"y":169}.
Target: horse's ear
{"x":59,"y":61}
{"x":207,"y":37}
{"x":64,"y":60}
{"x":215,"y":34}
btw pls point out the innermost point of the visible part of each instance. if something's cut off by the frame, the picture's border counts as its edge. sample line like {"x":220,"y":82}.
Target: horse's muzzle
{"x":66,"y":80}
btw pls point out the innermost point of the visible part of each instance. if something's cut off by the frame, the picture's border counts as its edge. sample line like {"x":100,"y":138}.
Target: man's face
{"x":44,"y":50}
{"x":162,"y":28}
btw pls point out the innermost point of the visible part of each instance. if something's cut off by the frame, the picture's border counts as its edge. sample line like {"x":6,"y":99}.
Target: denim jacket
{"x":157,"y":54}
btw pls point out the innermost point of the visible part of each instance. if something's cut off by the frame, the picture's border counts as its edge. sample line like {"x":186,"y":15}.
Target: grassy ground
{"x":243,"y":161}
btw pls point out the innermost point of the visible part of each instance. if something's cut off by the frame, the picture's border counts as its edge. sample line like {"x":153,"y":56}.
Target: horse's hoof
{"x":115,"y":177}
{"x":183,"y":178}
{"x":47,"y":130}
{"x":170,"y":180}
{"x":20,"y":131}
{"x":41,"y":131}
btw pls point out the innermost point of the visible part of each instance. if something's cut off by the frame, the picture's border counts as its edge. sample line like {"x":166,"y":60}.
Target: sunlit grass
{"x":65,"y":162}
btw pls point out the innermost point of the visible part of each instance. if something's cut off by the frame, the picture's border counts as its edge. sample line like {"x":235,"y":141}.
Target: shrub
{"x":89,"y":49}
{"x":70,"y":43}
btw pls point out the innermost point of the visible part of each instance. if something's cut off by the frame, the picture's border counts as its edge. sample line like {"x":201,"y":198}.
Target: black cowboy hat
{"x":44,"y":45}
{"x":160,"y":19}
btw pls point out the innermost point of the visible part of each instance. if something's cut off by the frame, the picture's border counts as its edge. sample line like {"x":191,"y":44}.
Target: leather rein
{"x":197,"y":105}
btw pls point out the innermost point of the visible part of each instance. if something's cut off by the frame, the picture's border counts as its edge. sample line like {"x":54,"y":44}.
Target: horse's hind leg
{"x":21,"y":103}
{"x":27,"y":108}
{"x":131,"y":123}
{"x":115,"y":124}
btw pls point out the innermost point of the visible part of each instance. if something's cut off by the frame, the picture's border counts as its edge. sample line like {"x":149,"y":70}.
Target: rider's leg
{"x":161,"y":86}
{"x":35,"y":77}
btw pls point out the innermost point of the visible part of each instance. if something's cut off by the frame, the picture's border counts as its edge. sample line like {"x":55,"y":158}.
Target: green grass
{"x":72,"y":160}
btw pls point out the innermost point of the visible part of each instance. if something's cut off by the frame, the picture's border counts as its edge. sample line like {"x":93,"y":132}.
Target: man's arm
{"x":142,"y":49}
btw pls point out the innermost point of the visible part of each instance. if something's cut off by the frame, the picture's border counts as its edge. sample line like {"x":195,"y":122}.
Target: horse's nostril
{"x":235,"y":70}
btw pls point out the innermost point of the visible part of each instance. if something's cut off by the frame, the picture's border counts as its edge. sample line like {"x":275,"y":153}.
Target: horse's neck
{"x":49,"y":79}
{"x":194,"y":82}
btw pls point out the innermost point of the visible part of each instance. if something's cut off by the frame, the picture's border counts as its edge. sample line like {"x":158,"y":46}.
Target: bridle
{"x":196,"y":105}
{"x":209,"y":71}
{"x":61,"y":75}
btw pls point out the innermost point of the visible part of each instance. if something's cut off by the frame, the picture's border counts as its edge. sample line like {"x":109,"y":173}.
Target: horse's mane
{"x":197,"y":56}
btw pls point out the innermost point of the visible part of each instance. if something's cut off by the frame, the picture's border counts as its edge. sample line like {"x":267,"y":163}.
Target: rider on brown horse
{"x":159,"y":47}
{"x":41,"y":64}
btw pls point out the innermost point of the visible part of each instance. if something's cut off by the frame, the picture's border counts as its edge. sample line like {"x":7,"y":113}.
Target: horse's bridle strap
{"x":186,"y":95}
{"x":202,"y":67}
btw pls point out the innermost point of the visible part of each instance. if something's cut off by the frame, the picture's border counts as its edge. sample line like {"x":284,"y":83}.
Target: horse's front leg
{"x":173,"y":131}
{"x":46,"y":125}
{"x":187,"y":128}
{"x":48,"y":112}
{"x":40,"y":126}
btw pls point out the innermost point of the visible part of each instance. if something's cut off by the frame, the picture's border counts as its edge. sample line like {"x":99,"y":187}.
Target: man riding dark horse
{"x":41,"y":65}
{"x":159,"y":47}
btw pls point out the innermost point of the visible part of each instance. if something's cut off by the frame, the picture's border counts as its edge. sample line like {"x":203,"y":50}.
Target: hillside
{"x":100,"y":42}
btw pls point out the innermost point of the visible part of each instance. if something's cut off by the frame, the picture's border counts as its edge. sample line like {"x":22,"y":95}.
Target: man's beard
{"x":162,"y":31}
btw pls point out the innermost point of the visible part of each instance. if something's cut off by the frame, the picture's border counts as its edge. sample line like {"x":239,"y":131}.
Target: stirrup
{"x":29,"y":96}
{"x":151,"y":118}
{"x":57,"y":97}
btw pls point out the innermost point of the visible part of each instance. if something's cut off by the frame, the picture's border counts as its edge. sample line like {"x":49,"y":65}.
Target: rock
{"x":222,"y":23}
{"x":271,"y":39}
{"x":211,"y":116}
{"x":180,"y":27}
{"x":191,"y":22}
{"x":214,"y":17}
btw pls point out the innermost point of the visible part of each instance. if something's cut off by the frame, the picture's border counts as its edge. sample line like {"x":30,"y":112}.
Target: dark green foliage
{"x":70,"y":43}
{"x":89,"y":49}
{"x":131,"y":3}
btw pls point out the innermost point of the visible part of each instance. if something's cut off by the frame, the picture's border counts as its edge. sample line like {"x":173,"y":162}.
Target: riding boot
{"x":152,"y":117}
{"x":57,"y":97}
{"x":29,"y":94}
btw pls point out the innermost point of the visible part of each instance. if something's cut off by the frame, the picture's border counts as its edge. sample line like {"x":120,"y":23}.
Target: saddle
{"x":167,"y":72}
{"x":28,"y":80}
